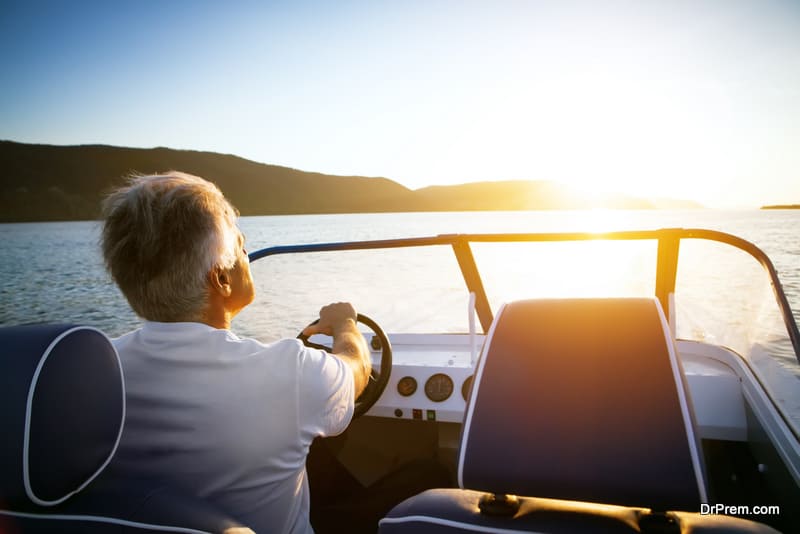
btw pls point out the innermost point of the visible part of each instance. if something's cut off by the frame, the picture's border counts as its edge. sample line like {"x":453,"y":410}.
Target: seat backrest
{"x":583,"y":399}
{"x":62,"y":409}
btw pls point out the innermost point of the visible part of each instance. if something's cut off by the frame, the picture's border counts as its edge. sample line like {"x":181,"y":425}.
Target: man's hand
{"x":339,"y":321}
{"x":332,"y":318}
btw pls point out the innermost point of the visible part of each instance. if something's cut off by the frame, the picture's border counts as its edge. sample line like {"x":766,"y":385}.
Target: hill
{"x":42,"y":182}
{"x":45,"y":182}
{"x":524,"y":195}
{"x":782,"y":207}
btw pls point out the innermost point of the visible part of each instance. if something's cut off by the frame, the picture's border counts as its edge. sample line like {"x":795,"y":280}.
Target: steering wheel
{"x":377,"y":381}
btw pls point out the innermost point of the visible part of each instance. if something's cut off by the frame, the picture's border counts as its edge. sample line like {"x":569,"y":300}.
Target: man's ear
{"x":220,"y":281}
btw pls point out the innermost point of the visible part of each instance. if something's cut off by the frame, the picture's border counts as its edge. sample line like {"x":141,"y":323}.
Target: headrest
{"x":62,"y":407}
{"x":582,"y":399}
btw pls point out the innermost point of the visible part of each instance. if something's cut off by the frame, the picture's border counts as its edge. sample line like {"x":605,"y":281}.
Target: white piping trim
{"x":673,"y":320}
{"x":451,"y":523}
{"x":474,"y":395}
{"x":687,"y":416}
{"x":28,"y":416}
{"x":473,"y":344}
{"x":113,"y":520}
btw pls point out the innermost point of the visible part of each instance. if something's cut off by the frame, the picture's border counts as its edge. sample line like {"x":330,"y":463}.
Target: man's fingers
{"x":317,"y":328}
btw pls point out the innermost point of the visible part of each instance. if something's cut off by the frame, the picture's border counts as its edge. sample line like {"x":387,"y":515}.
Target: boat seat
{"x":580,"y":406}
{"x":62,"y":411}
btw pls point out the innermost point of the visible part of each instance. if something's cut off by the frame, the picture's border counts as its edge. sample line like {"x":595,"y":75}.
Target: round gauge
{"x":466,"y":387}
{"x":439,"y":387}
{"x":407,"y":386}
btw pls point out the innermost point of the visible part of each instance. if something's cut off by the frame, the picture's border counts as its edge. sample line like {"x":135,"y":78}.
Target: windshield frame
{"x":668,"y":240}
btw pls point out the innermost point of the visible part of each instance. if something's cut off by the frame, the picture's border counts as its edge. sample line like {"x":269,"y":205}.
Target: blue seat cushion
{"x":450,"y":511}
{"x":62,"y":409}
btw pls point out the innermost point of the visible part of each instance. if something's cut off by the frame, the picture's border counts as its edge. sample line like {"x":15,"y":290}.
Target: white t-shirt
{"x":230,"y":419}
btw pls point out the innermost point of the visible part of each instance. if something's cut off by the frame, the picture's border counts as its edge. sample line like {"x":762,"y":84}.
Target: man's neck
{"x":217,"y":317}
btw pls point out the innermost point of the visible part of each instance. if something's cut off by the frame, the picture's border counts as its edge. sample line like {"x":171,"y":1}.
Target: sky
{"x":696,"y":100}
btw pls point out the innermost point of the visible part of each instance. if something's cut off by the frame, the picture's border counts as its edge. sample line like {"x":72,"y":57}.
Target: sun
{"x":601,"y":135}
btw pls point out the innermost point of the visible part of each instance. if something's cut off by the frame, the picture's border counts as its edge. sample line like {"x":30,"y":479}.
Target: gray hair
{"x":161,"y":237}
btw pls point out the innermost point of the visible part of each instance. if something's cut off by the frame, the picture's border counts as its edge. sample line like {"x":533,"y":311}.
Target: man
{"x":228,"y":419}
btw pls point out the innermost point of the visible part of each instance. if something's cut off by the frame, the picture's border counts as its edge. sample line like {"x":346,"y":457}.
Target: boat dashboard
{"x":432,"y":375}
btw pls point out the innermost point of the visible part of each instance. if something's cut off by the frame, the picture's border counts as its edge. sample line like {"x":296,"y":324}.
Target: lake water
{"x":52,"y":272}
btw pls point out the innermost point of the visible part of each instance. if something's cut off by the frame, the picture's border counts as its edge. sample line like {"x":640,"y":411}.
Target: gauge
{"x":407,"y":386}
{"x":439,"y":387}
{"x":466,"y":387}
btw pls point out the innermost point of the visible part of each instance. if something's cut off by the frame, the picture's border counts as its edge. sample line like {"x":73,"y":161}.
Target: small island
{"x":782,"y":207}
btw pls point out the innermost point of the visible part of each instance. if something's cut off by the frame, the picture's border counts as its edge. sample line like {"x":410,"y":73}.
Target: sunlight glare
{"x":591,"y":269}
{"x":599,"y":134}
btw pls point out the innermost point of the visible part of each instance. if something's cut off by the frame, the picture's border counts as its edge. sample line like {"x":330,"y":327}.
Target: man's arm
{"x":339,"y":320}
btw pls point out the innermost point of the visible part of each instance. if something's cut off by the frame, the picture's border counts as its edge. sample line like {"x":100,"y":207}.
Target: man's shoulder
{"x":199,"y":339}
{"x":281,"y":347}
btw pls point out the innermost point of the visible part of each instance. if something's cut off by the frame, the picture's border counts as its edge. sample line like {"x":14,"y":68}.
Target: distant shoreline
{"x":50,"y":182}
{"x":782,"y":207}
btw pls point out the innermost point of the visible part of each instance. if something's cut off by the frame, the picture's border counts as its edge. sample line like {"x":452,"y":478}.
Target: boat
{"x":652,"y":409}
